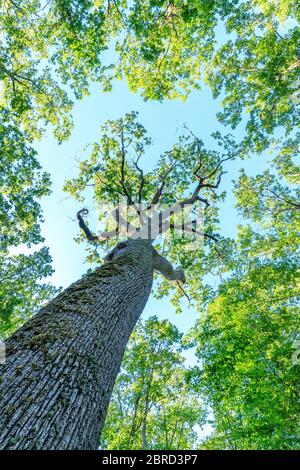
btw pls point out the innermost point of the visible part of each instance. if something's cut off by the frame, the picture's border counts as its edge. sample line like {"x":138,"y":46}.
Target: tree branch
{"x":84,"y":227}
{"x":122,"y":181}
{"x":287,"y":201}
{"x":159,"y":190}
{"x":163,"y":266}
{"x":186,"y":228}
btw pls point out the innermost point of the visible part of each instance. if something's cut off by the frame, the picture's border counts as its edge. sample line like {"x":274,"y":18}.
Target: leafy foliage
{"x":257,"y":69}
{"x":21,"y":185}
{"x":161,"y":48}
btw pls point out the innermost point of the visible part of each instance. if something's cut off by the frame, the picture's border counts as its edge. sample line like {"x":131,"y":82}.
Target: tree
{"x":50,"y":52}
{"x":22,"y":184}
{"x":63,"y":362}
{"x":114,"y":167}
{"x":152,"y":407}
{"x":166,"y":44}
{"x":257,"y":71}
{"x":248,"y":337}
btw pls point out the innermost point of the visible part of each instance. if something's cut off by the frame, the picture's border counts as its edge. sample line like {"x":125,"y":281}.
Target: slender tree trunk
{"x":133,"y":425}
{"x":61,"y":365}
{"x":146,"y":411}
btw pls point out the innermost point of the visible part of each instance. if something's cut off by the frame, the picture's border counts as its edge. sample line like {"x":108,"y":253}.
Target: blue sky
{"x":164,"y":122}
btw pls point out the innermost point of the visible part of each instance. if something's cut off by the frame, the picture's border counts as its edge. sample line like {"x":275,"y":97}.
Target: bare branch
{"x":84,"y":227}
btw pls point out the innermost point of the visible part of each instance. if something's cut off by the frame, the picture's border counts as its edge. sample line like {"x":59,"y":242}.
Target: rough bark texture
{"x":62,"y":364}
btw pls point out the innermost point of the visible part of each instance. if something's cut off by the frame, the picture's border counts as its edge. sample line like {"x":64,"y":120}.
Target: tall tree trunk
{"x":62,"y":364}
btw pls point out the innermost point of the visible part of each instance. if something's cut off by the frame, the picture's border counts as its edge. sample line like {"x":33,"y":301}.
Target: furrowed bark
{"x":62,"y":364}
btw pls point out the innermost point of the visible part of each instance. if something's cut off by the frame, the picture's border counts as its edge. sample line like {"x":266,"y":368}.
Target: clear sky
{"x":164,"y":123}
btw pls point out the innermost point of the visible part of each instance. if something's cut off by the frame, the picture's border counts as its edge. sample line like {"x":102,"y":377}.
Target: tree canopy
{"x":53,"y":50}
{"x":22,"y":184}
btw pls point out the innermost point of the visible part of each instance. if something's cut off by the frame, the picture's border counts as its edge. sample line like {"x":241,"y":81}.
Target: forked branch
{"x":84,"y":227}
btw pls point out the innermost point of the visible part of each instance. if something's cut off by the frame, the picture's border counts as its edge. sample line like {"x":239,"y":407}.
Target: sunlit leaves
{"x":22,"y":184}
{"x":162,"y":49}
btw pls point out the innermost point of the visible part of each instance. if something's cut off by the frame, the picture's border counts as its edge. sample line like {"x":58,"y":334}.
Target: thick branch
{"x":163,"y":266}
{"x":122,"y":181}
{"x":159,"y":190}
{"x":195,"y":196}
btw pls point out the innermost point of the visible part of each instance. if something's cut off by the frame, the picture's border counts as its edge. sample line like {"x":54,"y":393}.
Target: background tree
{"x":250,"y":333}
{"x":152,"y":406}
{"x":257,"y":70}
{"x":254,"y":66}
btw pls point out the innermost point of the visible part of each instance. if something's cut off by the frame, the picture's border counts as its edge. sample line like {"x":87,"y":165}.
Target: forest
{"x":149,"y":225}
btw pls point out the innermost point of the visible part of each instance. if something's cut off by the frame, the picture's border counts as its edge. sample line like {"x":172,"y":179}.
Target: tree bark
{"x":62,"y":364}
